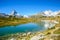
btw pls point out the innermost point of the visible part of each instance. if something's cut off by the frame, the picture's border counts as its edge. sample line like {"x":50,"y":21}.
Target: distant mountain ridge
{"x":50,"y":13}
{"x":44,"y":13}
{"x":13,"y":13}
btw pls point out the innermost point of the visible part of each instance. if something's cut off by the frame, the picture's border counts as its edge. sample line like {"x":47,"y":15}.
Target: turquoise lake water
{"x":29,"y":27}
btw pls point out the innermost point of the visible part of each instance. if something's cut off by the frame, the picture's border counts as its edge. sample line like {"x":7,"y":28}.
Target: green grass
{"x":57,"y":31}
{"x":15,"y":21}
{"x":12,"y":21}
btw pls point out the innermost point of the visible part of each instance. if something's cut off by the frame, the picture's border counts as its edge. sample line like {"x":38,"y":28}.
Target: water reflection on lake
{"x":47,"y":23}
{"x":23,"y":28}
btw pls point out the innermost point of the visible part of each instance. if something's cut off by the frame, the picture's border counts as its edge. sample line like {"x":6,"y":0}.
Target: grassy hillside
{"x":12,"y":21}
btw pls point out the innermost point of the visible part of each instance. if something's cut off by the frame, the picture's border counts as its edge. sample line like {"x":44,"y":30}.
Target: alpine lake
{"x":25,"y":28}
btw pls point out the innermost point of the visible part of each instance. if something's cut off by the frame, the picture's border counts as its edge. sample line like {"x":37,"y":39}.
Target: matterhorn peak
{"x":13,"y":13}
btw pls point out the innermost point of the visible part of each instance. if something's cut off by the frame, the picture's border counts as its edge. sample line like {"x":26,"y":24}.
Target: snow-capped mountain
{"x":44,"y":13}
{"x":18,"y":15}
{"x":4,"y":15}
{"x":58,"y":13}
{"x":13,"y":13}
{"x":51,"y":13}
{"x":25,"y":16}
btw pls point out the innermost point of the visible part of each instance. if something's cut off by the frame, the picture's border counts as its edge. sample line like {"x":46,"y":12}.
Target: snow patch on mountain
{"x":50,"y":13}
{"x":25,"y":16}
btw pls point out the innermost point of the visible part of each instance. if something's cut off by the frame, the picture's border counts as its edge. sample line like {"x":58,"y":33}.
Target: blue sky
{"x":28,"y":7}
